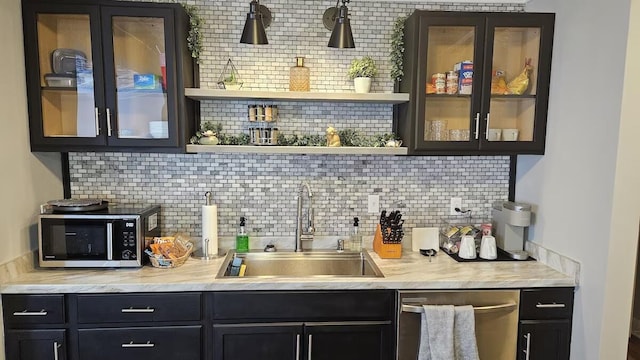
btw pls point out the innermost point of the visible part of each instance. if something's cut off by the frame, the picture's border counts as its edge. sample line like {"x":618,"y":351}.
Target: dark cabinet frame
{"x":181,"y":73}
{"x":409,"y":122}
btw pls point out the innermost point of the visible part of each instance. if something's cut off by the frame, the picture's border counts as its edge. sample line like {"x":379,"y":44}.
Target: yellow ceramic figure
{"x":332,"y":137}
{"x":519,"y":85}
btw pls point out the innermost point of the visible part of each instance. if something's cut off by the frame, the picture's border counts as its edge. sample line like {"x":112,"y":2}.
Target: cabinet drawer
{"x":107,"y":308}
{"x":303,"y":305}
{"x":171,"y":342}
{"x":546,"y":303}
{"x":33,"y":309}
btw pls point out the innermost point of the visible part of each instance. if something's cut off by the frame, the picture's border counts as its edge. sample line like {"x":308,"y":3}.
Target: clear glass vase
{"x":299,"y":76}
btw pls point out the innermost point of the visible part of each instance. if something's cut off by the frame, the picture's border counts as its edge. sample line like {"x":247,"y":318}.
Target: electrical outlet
{"x":373,"y":204}
{"x":456,"y":202}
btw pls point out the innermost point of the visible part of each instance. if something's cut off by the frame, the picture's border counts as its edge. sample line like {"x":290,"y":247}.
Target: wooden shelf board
{"x":350,"y":97}
{"x":255,"y":149}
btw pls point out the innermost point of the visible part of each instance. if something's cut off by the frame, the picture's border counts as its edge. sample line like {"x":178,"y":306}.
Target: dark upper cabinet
{"x":107,"y":75}
{"x":463,"y":73}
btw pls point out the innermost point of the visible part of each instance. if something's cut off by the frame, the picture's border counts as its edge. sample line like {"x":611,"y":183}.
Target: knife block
{"x":385,"y":251}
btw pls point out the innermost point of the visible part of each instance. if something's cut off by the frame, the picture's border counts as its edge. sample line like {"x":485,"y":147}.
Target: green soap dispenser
{"x":242,"y":238}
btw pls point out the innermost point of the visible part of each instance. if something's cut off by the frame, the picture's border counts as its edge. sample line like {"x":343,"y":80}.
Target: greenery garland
{"x":348,"y":137}
{"x":397,"y":49}
{"x":194,"y":39}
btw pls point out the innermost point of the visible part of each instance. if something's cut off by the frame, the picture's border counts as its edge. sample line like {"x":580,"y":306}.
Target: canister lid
{"x":516,"y":206}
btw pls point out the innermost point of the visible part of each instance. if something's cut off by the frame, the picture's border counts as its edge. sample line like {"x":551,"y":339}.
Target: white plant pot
{"x":362,"y":84}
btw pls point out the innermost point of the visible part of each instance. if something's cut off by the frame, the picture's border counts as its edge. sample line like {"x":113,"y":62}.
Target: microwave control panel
{"x":125,"y":240}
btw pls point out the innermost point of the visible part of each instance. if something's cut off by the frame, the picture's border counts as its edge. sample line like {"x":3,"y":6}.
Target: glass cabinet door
{"x":514,"y":73}
{"x":66,"y":76}
{"x":452,"y":89}
{"x":140,"y":78}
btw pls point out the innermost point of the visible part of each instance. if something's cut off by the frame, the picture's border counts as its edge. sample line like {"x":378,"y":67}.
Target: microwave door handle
{"x":109,"y":241}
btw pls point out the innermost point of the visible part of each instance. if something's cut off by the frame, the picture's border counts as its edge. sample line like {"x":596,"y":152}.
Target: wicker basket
{"x":171,"y":263}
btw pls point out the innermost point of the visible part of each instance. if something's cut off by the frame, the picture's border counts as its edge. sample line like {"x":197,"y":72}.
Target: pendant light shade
{"x":253,"y":32}
{"x":341,"y":36}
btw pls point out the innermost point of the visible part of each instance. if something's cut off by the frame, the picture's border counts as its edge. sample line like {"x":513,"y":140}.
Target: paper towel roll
{"x":210,"y":228}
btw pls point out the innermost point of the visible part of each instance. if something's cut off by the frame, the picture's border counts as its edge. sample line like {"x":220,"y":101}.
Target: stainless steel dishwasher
{"x":496,"y":317}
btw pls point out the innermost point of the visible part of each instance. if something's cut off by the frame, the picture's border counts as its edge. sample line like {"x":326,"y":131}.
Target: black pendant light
{"x":341,"y":36}
{"x":258,"y":18}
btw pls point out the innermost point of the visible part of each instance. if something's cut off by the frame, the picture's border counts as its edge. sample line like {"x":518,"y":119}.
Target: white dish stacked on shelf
{"x":159,"y":129}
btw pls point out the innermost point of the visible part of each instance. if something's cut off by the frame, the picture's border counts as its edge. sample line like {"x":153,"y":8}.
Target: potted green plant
{"x":362,"y":71}
{"x":229,"y":79}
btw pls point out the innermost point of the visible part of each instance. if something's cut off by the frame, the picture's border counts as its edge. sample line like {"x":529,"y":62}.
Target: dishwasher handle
{"x":418,"y":309}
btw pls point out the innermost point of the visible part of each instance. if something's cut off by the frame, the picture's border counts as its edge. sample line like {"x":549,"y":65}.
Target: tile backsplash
{"x":263,"y":188}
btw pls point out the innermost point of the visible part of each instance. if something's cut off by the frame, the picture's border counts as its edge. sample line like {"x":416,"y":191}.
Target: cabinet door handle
{"x":486,"y":133}
{"x":97,"y":118}
{"x":56,"y":346}
{"x":477,"y":126}
{"x":42,"y":312}
{"x":131,"y":344}
{"x":109,"y":129}
{"x":134,"y":310}
{"x":310,"y":343}
{"x":526,"y":351}
{"x":298,"y":347}
{"x":550,"y":306}
{"x":109,"y":239}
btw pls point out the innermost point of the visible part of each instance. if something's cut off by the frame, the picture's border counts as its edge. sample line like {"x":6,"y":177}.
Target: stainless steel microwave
{"x":112,"y":237}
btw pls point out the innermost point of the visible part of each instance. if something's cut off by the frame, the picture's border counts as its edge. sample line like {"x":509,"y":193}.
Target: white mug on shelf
{"x":495,"y":134}
{"x":467,"y":247}
{"x":488,"y":248}
{"x":510,"y":134}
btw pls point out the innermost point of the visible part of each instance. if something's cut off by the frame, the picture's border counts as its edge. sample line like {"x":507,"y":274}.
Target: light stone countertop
{"x":412,"y":271}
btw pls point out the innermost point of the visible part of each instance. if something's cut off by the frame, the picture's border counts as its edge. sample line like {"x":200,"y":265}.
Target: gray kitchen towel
{"x":436,"y":333}
{"x":464,"y":333}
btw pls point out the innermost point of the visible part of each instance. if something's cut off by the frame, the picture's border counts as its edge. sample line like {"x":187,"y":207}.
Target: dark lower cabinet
{"x":36,"y":344}
{"x":257,"y":341}
{"x":171,"y":342}
{"x":297,"y":341}
{"x":545,"y":324}
{"x":348,"y":342}
{"x":544,"y":339}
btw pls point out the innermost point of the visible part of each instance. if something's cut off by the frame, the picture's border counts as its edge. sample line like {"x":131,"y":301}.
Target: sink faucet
{"x":304,"y":232}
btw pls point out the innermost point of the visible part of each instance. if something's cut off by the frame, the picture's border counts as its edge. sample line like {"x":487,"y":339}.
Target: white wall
{"x":573,"y":184}
{"x":26,"y":180}
{"x":626,"y":212}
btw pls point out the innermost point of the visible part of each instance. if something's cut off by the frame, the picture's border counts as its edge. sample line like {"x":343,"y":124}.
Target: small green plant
{"x":194,"y":39}
{"x":207,"y":128}
{"x":397,"y":49}
{"x":364,"y":67}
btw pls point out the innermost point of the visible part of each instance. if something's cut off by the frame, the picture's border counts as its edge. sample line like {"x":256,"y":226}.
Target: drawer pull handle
{"x":298,"y":347}
{"x":132,"y":310}
{"x":131,"y":344}
{"x":310,"y":344}
{"x":550,"y":306}
{"x":42,"y":312}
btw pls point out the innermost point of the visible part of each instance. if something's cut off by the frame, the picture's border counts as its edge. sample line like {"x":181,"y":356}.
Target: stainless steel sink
{"x":302,"y":264}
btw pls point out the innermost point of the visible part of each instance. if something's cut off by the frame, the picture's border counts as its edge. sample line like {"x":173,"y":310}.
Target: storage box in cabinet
{"x":549,"y":303}
{"x":175,"y":342}
{"x":119,"y":308}
{"x":33,"y":309}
